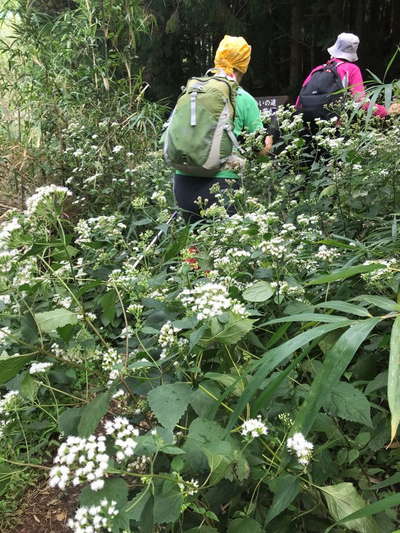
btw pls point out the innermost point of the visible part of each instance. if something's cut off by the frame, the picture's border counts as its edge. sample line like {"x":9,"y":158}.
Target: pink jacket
{"x":351,"y":77}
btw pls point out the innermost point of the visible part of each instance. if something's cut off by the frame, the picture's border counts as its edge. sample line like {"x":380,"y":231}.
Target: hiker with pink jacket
{"x":338,"y":73}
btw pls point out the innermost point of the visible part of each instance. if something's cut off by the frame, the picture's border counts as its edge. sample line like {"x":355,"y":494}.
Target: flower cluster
{"x":39,"y":368}
{"x":301,"y":447}
{"x":254,"y":428}
{"x":382,"y":277}
{"x":94,"y":518}
{"x":104,"y":228}
{"x":80,"y":460}
{"x":46,"y":197}
{"x":211,"y":300}
{"x":7,"y":230}
{"x":7,"y":404}
{"x":122,"y":431}
{"x":167,"y":334}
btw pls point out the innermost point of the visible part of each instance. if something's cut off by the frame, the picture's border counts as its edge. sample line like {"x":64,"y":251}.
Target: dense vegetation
{"x":238,"y":375}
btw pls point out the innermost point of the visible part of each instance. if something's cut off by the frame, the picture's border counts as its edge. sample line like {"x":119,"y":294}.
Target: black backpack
{"x":317,"y":93}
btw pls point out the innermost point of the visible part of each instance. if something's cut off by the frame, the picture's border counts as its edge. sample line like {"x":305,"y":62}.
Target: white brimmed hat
{"x":345,"y":47}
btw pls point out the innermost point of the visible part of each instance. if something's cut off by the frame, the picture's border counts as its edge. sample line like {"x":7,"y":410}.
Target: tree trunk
{"x":296,"y":44}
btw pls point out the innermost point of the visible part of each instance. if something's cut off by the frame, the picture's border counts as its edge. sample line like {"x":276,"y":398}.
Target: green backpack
{"x":199,"y":137}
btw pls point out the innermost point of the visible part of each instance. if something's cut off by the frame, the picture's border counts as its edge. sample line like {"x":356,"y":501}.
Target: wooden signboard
{"x":270,"y":103}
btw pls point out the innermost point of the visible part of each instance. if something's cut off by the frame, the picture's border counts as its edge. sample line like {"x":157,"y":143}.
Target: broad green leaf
{"x":220,"y":455}
{"x":168,"y":500}
{"x":51,"y":320}
{"x":92,"y":414}
{"x":169,"y":402}
{"x":107,"y":302}
{"x":147,"y":519}
{"x":205,"y":400}
{"x":201,"y":432}
{"x":197,"y":335}
{"x":335,"y":363}
{"x":135,"y":507}
{"x":394,"y":378}
{"x":344,"y":273}
{"x":379,"y":301}
{"x":330,"y":190}
{"x":245,"y":525}
{"x":260,"y":291}
{"x":343,"y":500}
{"x":10,"y":365}
{"x":68,"y":421}
{"x":114,"y":489}
{"x":379,"y":382}
{"x":285,"y":489}
{"x":272,"y":358}
{"x":231,"y":332}
{"x":345,"y":307}
{"x":227,"y":380}
{"x":29,"y":387}
{"x":349,"y":403}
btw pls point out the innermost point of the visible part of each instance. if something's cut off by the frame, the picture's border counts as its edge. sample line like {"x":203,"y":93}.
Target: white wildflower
{"x":254,"y":427}
{"x":39,"y":368}
{"x":301,"y":447}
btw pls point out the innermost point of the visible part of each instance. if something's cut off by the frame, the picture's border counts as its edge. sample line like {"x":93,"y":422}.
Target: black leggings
{"x":187,"y":189}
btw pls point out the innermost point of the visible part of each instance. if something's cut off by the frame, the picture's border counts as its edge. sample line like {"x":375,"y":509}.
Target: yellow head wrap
{"x":233,"y":53}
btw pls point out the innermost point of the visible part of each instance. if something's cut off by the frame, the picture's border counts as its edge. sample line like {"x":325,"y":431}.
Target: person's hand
{"x":268,"y":142}
{"x":394,"y":108}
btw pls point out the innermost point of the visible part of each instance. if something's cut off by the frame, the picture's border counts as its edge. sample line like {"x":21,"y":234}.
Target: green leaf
{"x":201,"y":432}
{"x":205,"y":399}
{"x":394,"y":378}
{"x":219,"y":456}
{"x":168,"y":501}
{"x":272,"y":358}
{"x":330,"y":190}
{"x":147,"y":519}
{"x":10,"y":365}
{"x":392,"y":480}
{"x":51,"y":320}
{"x":262,"y":401}
{"x":244,"y":525}
{"x":379,"y":301}
{"x":114,"y":489}
{"x":345,"y":307}
{"x":307,"y":317}
{"x":135,"y":507}
{"x":260,"y":291}
{"x":202,"y":529}
{"x":68,"y":421}
{"x":227,"y":380}
{"x":349,"y":403}
{"x":345,"y":273}
{"x":92,"y":414}
{"x":197,"y":335}
{"x":169,"y":402}
{"x":343,"y":500}
{"x":285,"y":489}
{"x":29,"y":387}
{"x":335,"y":363}
{"x":231,"y":332}
{"x":107,"y":302}
{"x":372,"y":508}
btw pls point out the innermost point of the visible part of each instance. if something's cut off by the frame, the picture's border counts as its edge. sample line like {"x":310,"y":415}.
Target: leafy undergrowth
{"x":236,"y":375}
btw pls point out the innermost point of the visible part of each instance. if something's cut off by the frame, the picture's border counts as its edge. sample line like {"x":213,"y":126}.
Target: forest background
{"x":234,"y":376}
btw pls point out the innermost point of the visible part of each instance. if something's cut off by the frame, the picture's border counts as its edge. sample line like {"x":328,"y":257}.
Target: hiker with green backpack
{"x":201,"y":138}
